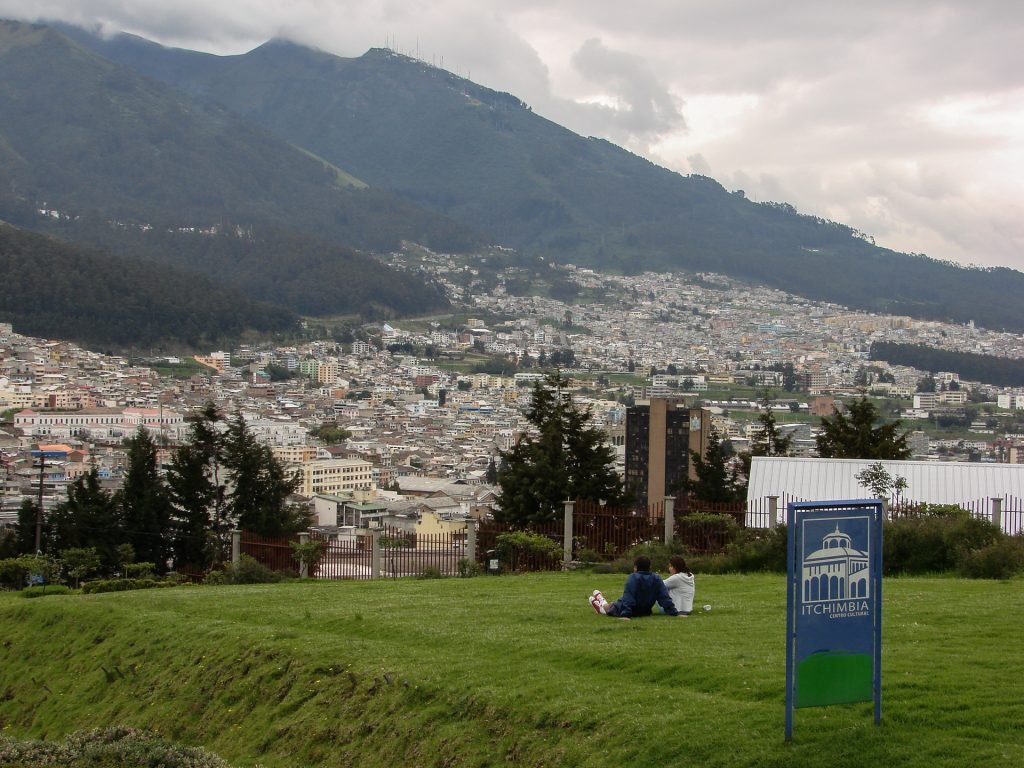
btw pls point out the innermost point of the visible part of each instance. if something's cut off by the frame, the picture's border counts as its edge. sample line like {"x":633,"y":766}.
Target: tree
{"x":878,"y":480}
{"x":491,"y":475}
{"x":260,"y":489}
{"x":25,"y":528}
{"x":80,"y":562}
{"x":89,"y":518}
{"x":145,"y":503}
{"x":564,"y":457}
{"x":855,"y":436}
{"x":717,"y":476}
{"x":331,"y":434}
{"x":197,"y":494}
{"x":769,"y":441}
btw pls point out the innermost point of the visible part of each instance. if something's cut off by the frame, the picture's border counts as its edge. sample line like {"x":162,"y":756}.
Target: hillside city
{"x":411,"y":421}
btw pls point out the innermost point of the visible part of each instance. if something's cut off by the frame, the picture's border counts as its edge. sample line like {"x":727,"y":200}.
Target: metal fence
{"x":275,"y":553}
{"x":1006,"y":512}
{"x":345,"y":558}
{"x":598,"y":532}
{"x":412,"y":554}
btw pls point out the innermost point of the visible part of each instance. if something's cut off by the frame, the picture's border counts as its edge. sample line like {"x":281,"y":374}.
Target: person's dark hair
{"x":679,"y":564}
{"x":642,"y":563}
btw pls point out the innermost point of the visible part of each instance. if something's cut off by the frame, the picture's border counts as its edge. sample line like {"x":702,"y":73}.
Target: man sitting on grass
{"x":643,"y":590}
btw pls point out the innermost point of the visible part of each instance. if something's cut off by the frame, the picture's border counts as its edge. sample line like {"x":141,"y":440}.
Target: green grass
{"x":508,"y":670}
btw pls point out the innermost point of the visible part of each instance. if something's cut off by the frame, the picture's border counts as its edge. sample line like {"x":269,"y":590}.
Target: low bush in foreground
{"x":246,"y":571}
{"x":115,"y":747}
{"x":44,"y":591}
{"x":122,"y":585}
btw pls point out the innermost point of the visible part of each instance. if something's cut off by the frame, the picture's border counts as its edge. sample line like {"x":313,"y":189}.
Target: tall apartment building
{"x":660,"y":434}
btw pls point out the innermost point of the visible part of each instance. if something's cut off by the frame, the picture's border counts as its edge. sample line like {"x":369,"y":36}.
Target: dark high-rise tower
{"x":660,"y":434}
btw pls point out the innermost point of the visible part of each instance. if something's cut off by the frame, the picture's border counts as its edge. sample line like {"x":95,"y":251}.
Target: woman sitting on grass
{"x":680,"y":585}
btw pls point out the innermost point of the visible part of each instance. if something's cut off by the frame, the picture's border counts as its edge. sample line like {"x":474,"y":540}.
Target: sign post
{"x":834,"y":605}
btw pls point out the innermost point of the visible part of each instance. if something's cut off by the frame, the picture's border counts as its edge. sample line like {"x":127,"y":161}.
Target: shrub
{"x":706,"y":531}
{"x":933,"y":539}
{"x":523,"y":550}
{"x":15,"y":572}
{"x":715,"y":563}
{"x":758,"y":549}
{"x":430,"y":572}
{"x":969,"y":533}
{"x":657,"y":551}
{"x":55,"y":589}
{"x":467,"y":568}
{"x":587,"y":556}
{"x":915,"y":545}
{"x":247,"y":570}
{"x":139,"y":570}
{"x":106,"y":747}
{"x":308,"y":554}
{"x":122,"y":585}
{"x":1000,"y":559}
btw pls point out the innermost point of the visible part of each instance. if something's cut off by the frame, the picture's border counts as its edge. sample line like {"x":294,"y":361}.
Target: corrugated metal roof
{"x":935,"y":482}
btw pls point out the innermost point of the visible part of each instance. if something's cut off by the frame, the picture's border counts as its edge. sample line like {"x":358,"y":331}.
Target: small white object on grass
{"x":707,"y":607}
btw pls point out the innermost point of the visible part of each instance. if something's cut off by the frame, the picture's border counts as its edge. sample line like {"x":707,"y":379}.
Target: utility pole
{"x":39,"y":510}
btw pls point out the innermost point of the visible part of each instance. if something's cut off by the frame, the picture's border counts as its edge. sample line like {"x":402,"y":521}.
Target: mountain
{"x":55,"y":290}
{"x":434,"y":149}
{"x":134,"y":166}
{"x":484,"y":158}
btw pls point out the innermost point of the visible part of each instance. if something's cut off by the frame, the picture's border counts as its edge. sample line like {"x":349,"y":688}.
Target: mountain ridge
{"x":482,"y":158}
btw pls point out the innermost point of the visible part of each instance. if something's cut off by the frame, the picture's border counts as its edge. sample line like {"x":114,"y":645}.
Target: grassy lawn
{"x":508,"y":670}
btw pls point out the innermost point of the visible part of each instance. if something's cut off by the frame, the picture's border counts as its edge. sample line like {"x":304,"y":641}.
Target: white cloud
{"x":902,"y":119}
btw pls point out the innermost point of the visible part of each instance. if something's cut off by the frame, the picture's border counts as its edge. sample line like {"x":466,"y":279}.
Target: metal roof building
{"x":969,"y":485}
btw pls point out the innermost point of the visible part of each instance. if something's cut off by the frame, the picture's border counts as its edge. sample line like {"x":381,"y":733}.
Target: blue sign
{"x":834,"y":605}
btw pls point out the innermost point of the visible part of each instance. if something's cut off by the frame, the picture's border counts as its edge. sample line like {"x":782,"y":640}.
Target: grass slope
{"x":511,"y":670}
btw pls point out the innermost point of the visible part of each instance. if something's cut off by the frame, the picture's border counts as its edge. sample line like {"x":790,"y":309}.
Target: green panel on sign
{"x":833,"y":677}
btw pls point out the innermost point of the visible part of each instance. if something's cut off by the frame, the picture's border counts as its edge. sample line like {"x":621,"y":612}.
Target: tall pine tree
{"x":259,"y":488}
{"x":89,"y":518}
{"x":145,"y":503}
{"x":197,"y":495}
{"x":717,"y":475}
{"x":855,"y":435}
{"x":564,"y":457}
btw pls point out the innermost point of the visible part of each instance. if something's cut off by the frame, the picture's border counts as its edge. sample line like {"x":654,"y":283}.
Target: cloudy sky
{"x":901,"y":118}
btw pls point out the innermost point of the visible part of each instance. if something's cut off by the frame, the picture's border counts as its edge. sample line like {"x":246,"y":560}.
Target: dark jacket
{"x":643,"y":590}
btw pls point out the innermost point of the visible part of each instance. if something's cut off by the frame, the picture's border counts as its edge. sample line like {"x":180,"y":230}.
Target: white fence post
{"x":374,"y":553}
{"x":997,"y":512}
{"x":470,"y":553}
{"x":303,"y":564}
{"x":670,"y":519}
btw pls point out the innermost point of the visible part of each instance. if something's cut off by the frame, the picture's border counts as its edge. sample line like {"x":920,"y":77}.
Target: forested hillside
{"x":99,"y":155}
{"x":54,"y":290}
{"x":1000,"y":371}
